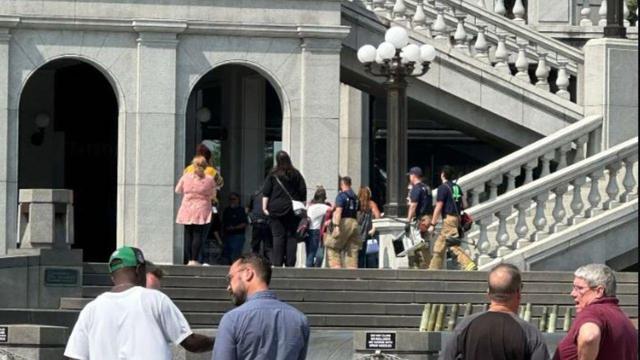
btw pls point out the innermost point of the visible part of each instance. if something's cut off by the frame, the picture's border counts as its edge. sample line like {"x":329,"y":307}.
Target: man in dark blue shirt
{"x":261,"y":327}
{"x":449,"y":204}
{"x":234,"y":220}
{"x":345,"y":236}
{"x":420,"y":209}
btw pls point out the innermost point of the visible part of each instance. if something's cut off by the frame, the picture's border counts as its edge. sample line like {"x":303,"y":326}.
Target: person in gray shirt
{"x":261,"y":327}
{"x":497,"y":334}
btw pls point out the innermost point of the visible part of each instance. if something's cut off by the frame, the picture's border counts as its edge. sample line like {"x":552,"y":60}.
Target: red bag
{"x":466,"y":221}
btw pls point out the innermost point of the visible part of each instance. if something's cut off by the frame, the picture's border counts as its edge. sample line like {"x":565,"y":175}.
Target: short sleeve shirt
{"x":348,"y":201}
{"x":445,"y":196}
{"x":618,"y":340}
{"x":419,"y":195}
{"x":137,"y":323}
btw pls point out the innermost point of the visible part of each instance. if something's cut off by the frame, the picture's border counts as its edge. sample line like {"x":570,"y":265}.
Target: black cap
{"x":415,"y":171}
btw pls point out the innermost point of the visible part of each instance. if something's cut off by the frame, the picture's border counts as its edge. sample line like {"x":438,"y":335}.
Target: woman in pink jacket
{"x":195,"y":210}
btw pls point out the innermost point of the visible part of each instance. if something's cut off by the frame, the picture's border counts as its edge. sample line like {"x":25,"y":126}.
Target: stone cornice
{"x":156,"y":26}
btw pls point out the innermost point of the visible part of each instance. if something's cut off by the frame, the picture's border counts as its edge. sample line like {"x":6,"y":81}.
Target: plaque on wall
{"x":4,"y":334}
{"x":380,"y":340}
{"x":60,"y":277}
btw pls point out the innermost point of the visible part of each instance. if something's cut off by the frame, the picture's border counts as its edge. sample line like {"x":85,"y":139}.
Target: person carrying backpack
{"x":449,"y":205}
{"x":344,"y":237}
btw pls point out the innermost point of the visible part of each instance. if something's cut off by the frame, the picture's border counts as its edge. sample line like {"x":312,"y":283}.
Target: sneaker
{"x":471,"y":266}
{"x":205,"y":264}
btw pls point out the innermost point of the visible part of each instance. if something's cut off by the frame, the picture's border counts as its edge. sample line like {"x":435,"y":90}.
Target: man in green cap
{"x":131,"y":321}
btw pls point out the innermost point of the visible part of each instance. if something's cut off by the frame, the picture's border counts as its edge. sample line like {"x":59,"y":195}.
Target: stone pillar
{"x":253,"y":119}
{"x":315,"y":150}
{"x":354,"y":142}
{"x":611,"y":87}
{"x":389,"y":229}
{"x":550,"y":12}
{"x":151,"y":147}
{"x":35,"y":342}
{"x":8,"y":146}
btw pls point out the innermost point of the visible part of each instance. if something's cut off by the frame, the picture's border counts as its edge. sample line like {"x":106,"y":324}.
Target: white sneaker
{"x":205,"y":264}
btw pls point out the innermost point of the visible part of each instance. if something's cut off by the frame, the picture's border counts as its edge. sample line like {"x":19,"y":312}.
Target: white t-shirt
{"x":316,"y":213}
{"x":134,"y":324}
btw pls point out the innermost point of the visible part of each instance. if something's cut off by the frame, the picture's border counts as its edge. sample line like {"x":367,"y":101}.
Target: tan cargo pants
{"x":449,"y":228}
{"x":342,"y":251}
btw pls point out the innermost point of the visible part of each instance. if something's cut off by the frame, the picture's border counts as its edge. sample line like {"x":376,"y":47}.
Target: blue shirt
{"x":452,"y":201}
{"x":262,"y":328}
{"x":348,"y":201}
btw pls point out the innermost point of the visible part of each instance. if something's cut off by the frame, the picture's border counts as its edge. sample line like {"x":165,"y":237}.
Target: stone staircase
{"x":335,"y":299}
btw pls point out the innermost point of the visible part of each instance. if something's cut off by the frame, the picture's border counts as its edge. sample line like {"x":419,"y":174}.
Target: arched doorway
{"x":236,"y":112}
{"x":68,"y":126}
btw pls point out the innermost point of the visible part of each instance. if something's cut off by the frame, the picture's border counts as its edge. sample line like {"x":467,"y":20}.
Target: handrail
{"x":561,"y":177}
{"x":530,"y":152}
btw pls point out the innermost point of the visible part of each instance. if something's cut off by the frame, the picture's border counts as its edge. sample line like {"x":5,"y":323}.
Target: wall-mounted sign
{"x":60,"y":277}
{"x":381,"y":340}
{"x":4,"y":334}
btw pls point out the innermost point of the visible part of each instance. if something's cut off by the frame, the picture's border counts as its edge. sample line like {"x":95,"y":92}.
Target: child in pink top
{"x":195,"y":209}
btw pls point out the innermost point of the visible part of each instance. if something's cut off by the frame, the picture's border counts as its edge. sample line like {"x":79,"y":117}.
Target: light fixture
{"x":42,"y":120}
{"x":203,"y":115}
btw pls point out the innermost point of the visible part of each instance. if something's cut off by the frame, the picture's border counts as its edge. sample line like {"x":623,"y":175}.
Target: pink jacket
{"x":196,"y":202}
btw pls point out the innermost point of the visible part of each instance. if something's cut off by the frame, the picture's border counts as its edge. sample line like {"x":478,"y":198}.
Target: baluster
{"x":625,"y":13}
{"x":585,"y":13}
{"x":518,"y":12}
{"x":579,"y":155}
{"x":481,"y":45}
{"x":368,"y":4}
{"x":502,"y":237}
{"x":484,"y":246}
{"x":522,"y":63}
{"x":399,"y":10}
{"x":439,"y":27}
{"x":629,"y":181}
{"x":602,"y":13}
{"x":475,"y":195}
{"x":419,"y":18}
{"x":576,"y":200}
{"x":542,"y":71}
{"x":388,"y":5}
{"x":522,"y":229}
{"x":539,"y":220}
{"x":546,"y":159}
{"x":595,"y":141}
{"x":499,"y":8}
{"x":528,"y":171}
{"x":562,"y":82}
{"x":493,"y":187}
{"x":502,"y":55}
{"x":378,"y":6}
{"x":511,"y":178}
{"x":612,"y":185}
{"x":594,"y":194}
{"x":460,"y":36}
{"x":558,"y":211}
{"x":562,"y":156}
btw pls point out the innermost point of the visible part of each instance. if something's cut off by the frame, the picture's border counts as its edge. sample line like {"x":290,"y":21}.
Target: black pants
{"x":285,"y":244}
{"x":193,"y":237}
{"x":261,"y":235}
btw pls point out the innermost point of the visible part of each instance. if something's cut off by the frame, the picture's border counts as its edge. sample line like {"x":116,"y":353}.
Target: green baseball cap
{"x":125,"y":256}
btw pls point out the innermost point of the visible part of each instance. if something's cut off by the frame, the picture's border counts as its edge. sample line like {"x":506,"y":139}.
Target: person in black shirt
{"x":260,"y":230}
{"x":283,"y":184}
{"x":420,"y":209}
{"x":497,"y":334}
{"x":449,"y":204}
{"x":234,"y":220}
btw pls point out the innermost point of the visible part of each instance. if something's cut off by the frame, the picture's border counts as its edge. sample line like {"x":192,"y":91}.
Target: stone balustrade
{"x":565,"y":147}
{"x":601,"y":168}
{"x":586,"y":19}
{"x":491,"y":38}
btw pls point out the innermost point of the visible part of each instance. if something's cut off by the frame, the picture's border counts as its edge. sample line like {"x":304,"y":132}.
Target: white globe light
{"x":386,"y":50}
{"x":209,"y":144}
{"x":397,"y":36}
{"x":42,"y":120}
{"x":427,"y":53}
{"x":203,"y":115}
{"x":379,"y":59}
{"x":367,"y":54}
{"x":411,"y":53}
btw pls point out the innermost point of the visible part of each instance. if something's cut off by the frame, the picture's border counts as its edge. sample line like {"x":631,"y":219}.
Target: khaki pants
{"x":422,"y":256}
{"x":346,"y":244}
{"x":449,"y":228}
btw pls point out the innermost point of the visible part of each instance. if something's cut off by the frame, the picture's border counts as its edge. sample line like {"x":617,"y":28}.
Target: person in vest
{"x":420,"y":211}
{"x":449,"y":204}
{"x":345,"y":237}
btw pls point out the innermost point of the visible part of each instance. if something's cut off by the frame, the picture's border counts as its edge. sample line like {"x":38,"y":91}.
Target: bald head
{"x":505,"y":283}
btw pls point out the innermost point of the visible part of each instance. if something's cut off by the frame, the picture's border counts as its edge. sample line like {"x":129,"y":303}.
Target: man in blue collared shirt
{"x":261,"y":327}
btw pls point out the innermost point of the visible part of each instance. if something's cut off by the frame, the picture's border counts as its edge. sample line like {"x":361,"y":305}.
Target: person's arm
{"x":265,"y":201}
{"x":337,"y":216}
{"x":266,"y":194}
{"x":436,"y":216}
{"x":374,"y":209}
{"x":225,"y":344}
{"x":412,"y":211}
{"x":302,"y":188}
{"x":243,"y":220}
{"x":305,"y":335}
{"x":78,"y":344}
{"x":180,"y":186}
{"x":197,"y":343}
{"x":588,"y":341}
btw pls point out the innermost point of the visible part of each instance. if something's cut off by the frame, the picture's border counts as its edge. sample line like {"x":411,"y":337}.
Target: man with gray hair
{"x":497,"y":334}
{"x":601,"y":330}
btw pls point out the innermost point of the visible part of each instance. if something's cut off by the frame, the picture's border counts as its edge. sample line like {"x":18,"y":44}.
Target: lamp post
{"x":396,"y":59}
{"x":615,"y":20}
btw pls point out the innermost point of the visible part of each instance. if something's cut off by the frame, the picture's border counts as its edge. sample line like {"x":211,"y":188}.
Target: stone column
{"x":354,"y":144}
{"x":315,"y":150}
{"x":253,"y":118}
{"x":611,"y":87}
{"x":151,"y":147}
{"x":8,"y":146}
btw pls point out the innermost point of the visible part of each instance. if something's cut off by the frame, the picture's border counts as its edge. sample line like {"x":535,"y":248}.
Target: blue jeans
{"x":314,"y":248}
{"x":233,"y":245}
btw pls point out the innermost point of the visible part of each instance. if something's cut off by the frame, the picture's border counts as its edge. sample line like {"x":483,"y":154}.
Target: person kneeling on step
{"x":449,"y":203}
{"x":344,"y":239}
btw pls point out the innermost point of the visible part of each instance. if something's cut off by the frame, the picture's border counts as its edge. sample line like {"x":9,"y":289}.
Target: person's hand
{"x":407,"y":227}
{"x":431,"y":228}
{"x":336,"y":231}
{"x":265,"y":211}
